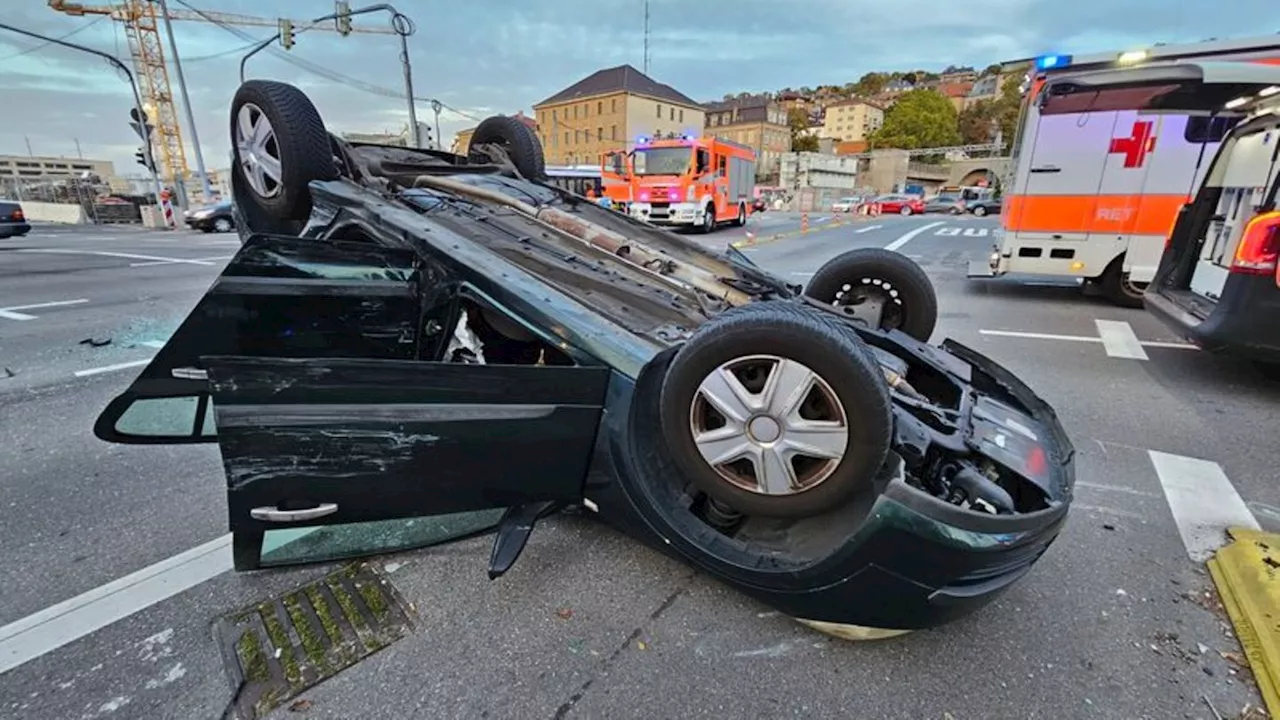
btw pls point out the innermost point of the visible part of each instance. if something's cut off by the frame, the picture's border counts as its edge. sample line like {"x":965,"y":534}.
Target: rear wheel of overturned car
{"x":519,"y":140}
{"x":776,"y":410}
{"x":885,"y":288}
{"x":279,"y":146}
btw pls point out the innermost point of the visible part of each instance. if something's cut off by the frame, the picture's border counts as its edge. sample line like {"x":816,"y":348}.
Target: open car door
{"x":320,"y":369}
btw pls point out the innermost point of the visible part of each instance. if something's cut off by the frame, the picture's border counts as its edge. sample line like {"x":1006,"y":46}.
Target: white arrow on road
{"x":10,"y":314}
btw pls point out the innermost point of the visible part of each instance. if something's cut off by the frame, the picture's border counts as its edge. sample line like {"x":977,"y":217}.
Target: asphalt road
{"x":1110,"y":624}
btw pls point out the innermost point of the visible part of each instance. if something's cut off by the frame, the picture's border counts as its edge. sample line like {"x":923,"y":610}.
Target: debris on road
{"x":1244,"y":572}
{"x":96,"y":342}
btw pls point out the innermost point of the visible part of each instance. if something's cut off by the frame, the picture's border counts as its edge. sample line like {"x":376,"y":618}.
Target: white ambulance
{"x":1109,"y":147}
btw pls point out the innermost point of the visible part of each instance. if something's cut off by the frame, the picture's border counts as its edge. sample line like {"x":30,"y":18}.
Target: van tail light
{"x":1259,"y":248}
{"x":18,"y":216}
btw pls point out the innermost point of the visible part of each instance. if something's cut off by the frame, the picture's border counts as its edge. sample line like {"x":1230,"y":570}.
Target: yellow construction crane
{"x":141,"y":20}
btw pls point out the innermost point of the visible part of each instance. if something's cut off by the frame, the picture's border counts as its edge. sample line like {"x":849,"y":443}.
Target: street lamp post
{"x":133,"y":86}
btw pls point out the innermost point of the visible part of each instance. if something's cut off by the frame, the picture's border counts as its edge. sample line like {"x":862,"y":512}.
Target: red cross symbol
{"x":1140,"y":142}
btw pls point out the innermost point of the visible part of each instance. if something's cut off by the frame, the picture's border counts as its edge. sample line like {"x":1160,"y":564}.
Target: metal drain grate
{"x":278,"y":648}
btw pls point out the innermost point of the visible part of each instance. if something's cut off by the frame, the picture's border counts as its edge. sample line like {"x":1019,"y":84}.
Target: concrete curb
{"x":1245,"y":575}
{"x":798,"y":233}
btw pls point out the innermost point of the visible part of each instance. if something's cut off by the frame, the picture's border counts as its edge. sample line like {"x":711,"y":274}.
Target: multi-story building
{"x":53,"y":168}
{"x":987,"y":87}
{"x":757,"y":121}
{"x":462,"y":140}
{"x":607,"y":111}
{"x":403,"y":138}
{"x":850,"y":120}
{"x":956,"y":92}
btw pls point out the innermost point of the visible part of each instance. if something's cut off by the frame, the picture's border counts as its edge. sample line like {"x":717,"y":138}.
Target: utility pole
{"x":646,"y":37}
{"x":186,"y":102}
{"x":79,"y":153}
{"x":404,"y":28}
{"x":437,"y":106}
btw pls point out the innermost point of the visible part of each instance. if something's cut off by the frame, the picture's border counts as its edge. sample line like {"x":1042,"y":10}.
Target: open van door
{"x":321,"y":369}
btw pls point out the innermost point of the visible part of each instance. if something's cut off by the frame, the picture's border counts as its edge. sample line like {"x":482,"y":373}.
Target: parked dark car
{"x":950,"y":204}
{"x":13,"y":222}
{"x":409,"y":333}
{"x":900,"y":204}
{"x":986,"y":206}
{"x":1218,"y":281}
{"x":212,"y":218}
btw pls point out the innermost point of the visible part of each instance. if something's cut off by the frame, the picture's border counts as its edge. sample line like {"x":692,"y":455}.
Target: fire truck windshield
{"x":662,"y":160}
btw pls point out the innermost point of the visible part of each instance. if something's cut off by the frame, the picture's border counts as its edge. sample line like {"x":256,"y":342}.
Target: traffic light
{"x":143,"y":159}
{"x":286,"y":33}
{"x":140,"y":125}
{"x":342,"y":9}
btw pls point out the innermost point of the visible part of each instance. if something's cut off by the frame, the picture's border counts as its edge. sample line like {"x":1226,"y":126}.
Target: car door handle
{"x":274,"y":514}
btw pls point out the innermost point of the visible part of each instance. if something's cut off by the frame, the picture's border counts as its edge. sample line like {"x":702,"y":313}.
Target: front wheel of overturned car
{"x":776,"y":410}
{"x":885,"y":288}
{"x":279,"y":147}
{"x":519,"y":140}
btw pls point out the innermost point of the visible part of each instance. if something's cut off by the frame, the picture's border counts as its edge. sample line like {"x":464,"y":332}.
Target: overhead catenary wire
{"x":44,"y":45}
{"x":322,"y":71}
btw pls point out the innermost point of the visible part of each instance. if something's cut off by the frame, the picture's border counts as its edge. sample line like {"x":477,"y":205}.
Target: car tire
{"x":892,"y":275}
{"x":709,"y":220}
{"x":905,"y":210}
{"x":838,"y":379}
{"x":979,"y":211}
{"x":223,"y":225}
{"x":1117,"y":287}
{"x":742,"y":215}
{"x":519,"y":140}
{"x":296,"y":141}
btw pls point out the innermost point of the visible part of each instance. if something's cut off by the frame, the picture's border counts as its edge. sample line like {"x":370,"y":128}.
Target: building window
{"x":673,"y":113}
{"x":613,"y":105}
{"x":613,"y":132}
{"x":566,"y":137}
{"x":682,"y":116}
{"x":600,"y":107}
{"x":599,"y":134}
{"x":555,"y":114}
{"x":577,"y":136}
{"x":659,"y":112}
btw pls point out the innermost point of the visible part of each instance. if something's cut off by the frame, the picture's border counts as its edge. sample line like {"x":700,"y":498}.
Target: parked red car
{"x":900,"y":204}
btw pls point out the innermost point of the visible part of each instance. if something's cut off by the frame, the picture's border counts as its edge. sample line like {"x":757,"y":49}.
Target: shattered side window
{"x":336,"y":542}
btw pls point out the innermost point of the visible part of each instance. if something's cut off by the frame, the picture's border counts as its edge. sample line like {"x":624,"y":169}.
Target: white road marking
{"x":975,"y":232}
{"x":906,"y":238}
{"x":9,"y":314}
{"x":1203,"y":501}
{"x":32,"y":636}
{"x":1119,"y":340}
{"x":868,"y":228}
{"x":947,"y":231}
{"x":1083,"y":338}
{"x":104,"y":253}
{"x":202,"y":261}
{"x":111,"y":368}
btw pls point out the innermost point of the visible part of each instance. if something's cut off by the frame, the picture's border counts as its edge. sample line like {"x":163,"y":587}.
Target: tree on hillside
{"x":870,"y":84}
{"x":1007,"y":108}
{"x":992,"y":69}
{"x":975,"y":122}
{"x":920,"y":119}
{"x":804,"y":143}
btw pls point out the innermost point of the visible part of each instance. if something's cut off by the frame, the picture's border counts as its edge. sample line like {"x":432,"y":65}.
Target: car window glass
{"x":162,"y":417}
{"x":335,"y":542}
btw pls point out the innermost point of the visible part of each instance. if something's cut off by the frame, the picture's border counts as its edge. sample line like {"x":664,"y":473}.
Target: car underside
{"x":806,"y":445}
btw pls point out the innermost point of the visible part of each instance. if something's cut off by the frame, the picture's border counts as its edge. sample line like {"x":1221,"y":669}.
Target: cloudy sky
{"x":481,"y":57}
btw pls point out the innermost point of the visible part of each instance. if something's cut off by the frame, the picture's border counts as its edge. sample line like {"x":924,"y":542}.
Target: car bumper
{"x":1240,"y":323}
{"x":913,"y":561}
{"x":671,"y":214}
{"x":12,"y":229}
